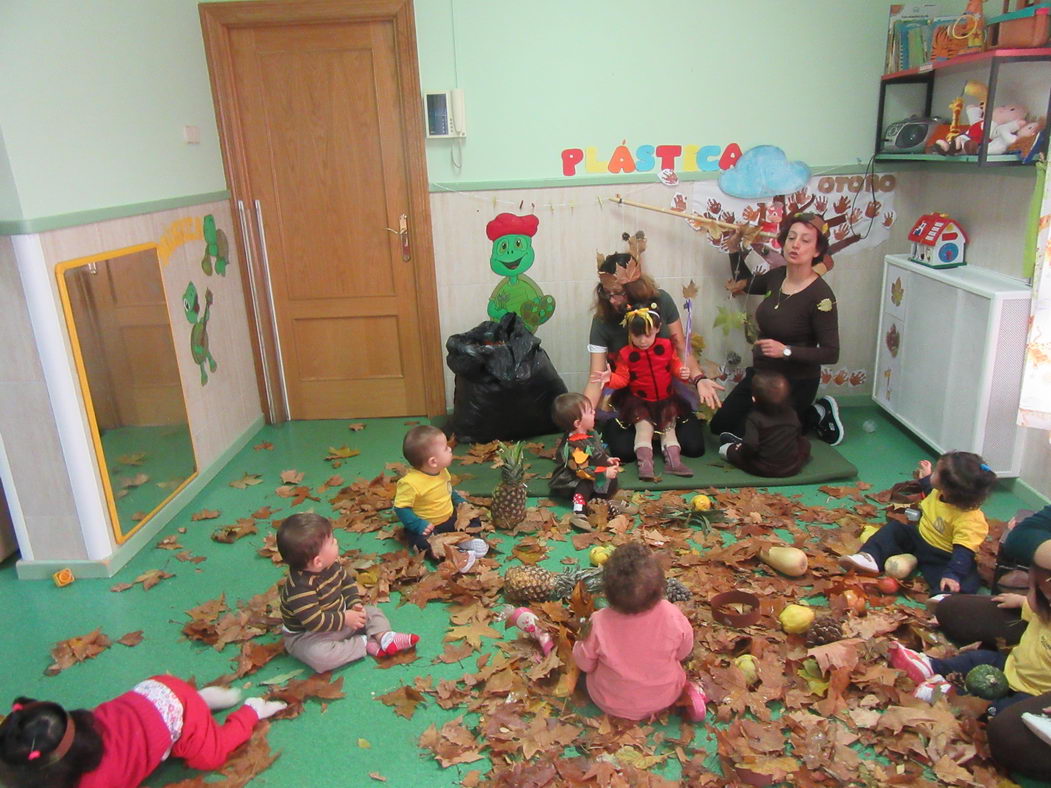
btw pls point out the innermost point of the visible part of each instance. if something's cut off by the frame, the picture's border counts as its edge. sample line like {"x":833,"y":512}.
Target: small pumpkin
{"x":599,"y":554}
{"x":987,"y":682}
{"x":749,"y":667}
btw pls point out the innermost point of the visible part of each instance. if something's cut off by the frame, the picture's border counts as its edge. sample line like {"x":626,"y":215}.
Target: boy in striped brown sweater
{"x":325,"y":624}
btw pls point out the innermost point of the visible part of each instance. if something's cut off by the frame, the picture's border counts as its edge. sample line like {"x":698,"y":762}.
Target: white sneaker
{"x":478,"y":547}
{"x":1039,"y":724}
{"x":932,"y":688}
{"x":860,"y":562}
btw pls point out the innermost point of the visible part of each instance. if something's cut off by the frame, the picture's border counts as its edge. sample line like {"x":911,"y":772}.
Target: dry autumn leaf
{"x":67,"y":653}
{"x":246,"y":481}
{"x":264,"y":446}
{"x":131,"y":639}
{"x":403,"y":700}
{"x":229,"y":534}
{"x":356,"y":426}
{"x":205,"y":514}
{"x":292,"y":476}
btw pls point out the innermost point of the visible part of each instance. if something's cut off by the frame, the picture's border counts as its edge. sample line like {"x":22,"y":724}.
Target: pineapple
{"x":524,"y":585}
{"x":509,"y":497}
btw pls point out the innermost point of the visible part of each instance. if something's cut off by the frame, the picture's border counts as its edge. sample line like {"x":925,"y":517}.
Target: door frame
{"x":217,"y":20}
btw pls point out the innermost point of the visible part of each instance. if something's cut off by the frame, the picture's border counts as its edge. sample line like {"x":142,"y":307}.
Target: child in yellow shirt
{"x":425,"y":501}
{"x":951,"y":527}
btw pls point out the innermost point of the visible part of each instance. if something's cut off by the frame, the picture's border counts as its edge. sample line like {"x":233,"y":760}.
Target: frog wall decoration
{"x":191,"y":304}
{"x":511,"y":257}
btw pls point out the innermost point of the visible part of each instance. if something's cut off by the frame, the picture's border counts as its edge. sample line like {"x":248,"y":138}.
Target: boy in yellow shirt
{"x":951,"y":526}
{"x":425,"y":501}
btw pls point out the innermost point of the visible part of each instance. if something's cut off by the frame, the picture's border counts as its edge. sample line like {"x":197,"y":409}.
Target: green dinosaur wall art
{"x":191,"y":305}
{"x":512,"y":256}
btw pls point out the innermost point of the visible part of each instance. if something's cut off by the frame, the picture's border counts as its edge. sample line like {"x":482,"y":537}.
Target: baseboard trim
{"x":1033,"y":498}
{"x":86,"y":570}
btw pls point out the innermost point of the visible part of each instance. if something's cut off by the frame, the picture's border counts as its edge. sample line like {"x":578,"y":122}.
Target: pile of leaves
{"x":803,"y":717}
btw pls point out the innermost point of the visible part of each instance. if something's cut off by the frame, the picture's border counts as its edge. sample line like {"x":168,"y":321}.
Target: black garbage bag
{"x":505,"y":382}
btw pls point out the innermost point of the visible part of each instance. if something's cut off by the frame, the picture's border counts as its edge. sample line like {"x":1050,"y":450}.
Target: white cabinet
{"x":949,"y":356}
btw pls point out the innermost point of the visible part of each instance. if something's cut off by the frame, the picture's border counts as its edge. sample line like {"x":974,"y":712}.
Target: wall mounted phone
{"x":445,"y":114}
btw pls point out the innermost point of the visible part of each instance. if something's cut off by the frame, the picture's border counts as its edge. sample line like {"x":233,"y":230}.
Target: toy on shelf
{"x":937,"y":241}
{"x":946,"y":140}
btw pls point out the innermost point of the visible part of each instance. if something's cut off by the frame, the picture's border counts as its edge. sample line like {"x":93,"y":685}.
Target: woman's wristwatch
{"x":786,"y":352}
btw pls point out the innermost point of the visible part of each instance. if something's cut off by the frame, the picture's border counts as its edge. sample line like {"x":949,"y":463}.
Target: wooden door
{"x":322,"y":129}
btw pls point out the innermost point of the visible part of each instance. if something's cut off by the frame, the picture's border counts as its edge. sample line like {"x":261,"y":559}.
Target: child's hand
{"x":428,"y":529}
{"x":684,"y":373}
{"x":923,"y":468}
{"x":1008,"y":601}
{"x":354,"y":618}
{"x":614,"y":461}
{"x":612,"y":471}
{"x":602,"y":377}
{"x":950,"y":585}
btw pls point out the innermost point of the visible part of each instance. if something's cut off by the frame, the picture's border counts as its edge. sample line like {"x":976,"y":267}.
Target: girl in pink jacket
{"x":632,"y":651}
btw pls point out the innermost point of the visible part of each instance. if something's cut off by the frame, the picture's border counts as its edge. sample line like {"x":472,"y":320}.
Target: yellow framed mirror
{"x":121,"y":334}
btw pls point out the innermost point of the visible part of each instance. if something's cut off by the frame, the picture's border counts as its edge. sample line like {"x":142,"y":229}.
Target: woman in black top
{"x":798,"y":330}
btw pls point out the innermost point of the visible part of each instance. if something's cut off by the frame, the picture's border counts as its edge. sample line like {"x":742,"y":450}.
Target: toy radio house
{"x":937,"y":241}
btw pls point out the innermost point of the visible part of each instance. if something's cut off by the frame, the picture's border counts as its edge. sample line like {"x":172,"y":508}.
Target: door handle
{"x":403,"y":235}
{"x":257,"y":317}
{"x":273,"y":308}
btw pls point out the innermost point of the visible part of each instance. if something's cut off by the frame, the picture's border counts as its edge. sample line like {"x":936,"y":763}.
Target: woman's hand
{"x":707,"y":391}
{"x":684,"y":372}
{"x":1009,"y":601}
{"x":949,"y":585}
{"x":771,"y":348}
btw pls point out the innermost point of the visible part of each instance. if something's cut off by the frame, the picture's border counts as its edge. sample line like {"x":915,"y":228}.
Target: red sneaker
{"x":916,"y":665}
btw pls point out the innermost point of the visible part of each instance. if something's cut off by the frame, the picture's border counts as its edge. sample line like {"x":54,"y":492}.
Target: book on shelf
{"x":908,"y":35}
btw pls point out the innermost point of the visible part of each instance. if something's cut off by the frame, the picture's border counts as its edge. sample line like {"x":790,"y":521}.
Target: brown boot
{"x":644,"y":455}
{"x":673,"y":462}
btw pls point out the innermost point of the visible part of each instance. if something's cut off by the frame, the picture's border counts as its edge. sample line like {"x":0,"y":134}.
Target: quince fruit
{"x":701,"y":503}
{"x":749,"y":667}
{"x":796,"y":619}
{"x":599,"y":554}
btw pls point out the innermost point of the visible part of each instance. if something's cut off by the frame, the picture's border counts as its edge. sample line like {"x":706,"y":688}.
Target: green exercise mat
{"x":710,"y":470}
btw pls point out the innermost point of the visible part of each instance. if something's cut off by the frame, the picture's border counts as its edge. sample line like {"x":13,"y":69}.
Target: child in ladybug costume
{"x":643,"y":372}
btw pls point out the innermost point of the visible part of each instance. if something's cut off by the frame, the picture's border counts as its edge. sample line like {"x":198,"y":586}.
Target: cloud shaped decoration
{"x":764,"y":171}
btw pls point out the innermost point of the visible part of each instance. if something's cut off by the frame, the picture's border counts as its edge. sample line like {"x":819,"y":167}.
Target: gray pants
{"x":324,"y":651}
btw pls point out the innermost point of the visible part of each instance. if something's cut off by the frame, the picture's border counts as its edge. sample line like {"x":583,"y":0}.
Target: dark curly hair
{"x":633,"y":578}
{"x":808,"y":219}
{"x":965,"y":481}
{"x":33,"y":751}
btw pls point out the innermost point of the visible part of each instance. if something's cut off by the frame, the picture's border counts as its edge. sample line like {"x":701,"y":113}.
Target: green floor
{"x":321,"y":747}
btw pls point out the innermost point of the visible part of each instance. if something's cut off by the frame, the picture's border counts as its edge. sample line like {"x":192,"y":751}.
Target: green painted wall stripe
{"x":79,"y":218}
{"x":611,"y":180}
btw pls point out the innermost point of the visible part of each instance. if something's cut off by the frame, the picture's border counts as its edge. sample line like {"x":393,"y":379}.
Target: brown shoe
{"x":644,"y":455}
{"x":673,"y":462}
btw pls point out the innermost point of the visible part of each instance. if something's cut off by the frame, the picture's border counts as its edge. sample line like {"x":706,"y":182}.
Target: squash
{"x":900,"y":566}
{"x":987,"y":682}
{"x":599,"y":554}
{"x":796,"y":619}
{"x":789,"y":561}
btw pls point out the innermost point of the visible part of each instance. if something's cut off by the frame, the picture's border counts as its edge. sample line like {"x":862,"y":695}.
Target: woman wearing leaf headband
{"x":622,"y":285}
{"x":798,"y":329}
